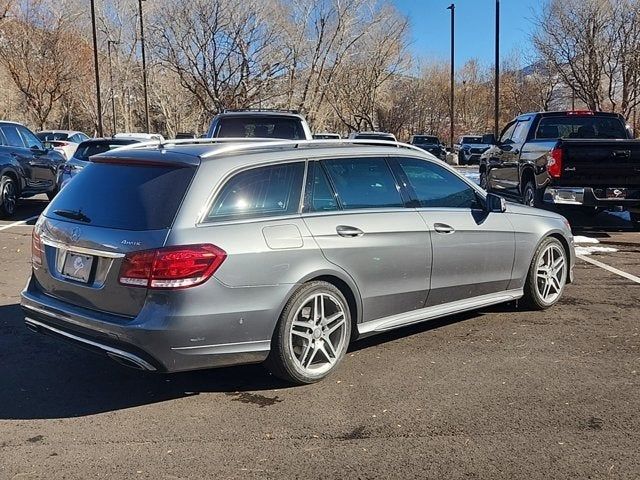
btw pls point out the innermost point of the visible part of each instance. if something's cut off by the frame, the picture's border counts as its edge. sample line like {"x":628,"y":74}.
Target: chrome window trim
{"x":77,"y":249}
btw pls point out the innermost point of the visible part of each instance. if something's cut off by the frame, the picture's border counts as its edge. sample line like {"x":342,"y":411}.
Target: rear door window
{"x":260,"y":192}
{"x":127,"y":197}
{"x":364,"y":183}
{"x":435,"y":186}
{"x":319,"y":192}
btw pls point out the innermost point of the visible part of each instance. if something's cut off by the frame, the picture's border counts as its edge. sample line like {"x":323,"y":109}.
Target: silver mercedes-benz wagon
{"x":178,"y":256}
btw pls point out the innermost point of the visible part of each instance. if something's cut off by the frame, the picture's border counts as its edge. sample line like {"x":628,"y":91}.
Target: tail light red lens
{"x":37,"y":253}
{"x":171,"y":267}
{"x":554,"y":164}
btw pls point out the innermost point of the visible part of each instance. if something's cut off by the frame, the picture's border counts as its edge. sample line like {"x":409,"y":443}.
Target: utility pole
{"x":452,"y":7}
{"x":113,"y":99}
{"x":496,"y":80}
{"x":95,"y":66}
{"x":144,"y":69}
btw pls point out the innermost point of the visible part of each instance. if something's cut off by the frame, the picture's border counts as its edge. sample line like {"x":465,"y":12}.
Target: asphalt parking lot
{"x":499,"y":393}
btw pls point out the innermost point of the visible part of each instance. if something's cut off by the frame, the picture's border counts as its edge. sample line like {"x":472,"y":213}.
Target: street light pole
{"x":113,"y":100}
{"x":95,"y":66}
{"x":496,"y":80}
{"x":452,"y":7}
{"x":144,"y":69}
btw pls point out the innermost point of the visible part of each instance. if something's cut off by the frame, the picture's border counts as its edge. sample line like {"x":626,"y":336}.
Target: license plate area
{"x":77,"y":267}
{"x":614,"y":193}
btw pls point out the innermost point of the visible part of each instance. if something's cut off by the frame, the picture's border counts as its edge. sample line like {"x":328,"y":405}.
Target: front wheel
{"x":312,"y":335}
{"x":8,"y":196}
{"x":547,"y":275}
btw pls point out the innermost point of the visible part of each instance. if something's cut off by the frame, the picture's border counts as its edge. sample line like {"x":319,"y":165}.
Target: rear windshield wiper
{"x":73,"y":215}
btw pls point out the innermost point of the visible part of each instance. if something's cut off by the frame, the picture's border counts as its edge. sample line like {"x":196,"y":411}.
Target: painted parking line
{"x":21,"y":222}
{"x":609,"y":268}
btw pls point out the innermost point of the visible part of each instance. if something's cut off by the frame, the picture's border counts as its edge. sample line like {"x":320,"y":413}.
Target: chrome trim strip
{"x":74,"y":248}
{"x":115,"y":351}
{"x":437,"y":311}
{"x":225,"y":348}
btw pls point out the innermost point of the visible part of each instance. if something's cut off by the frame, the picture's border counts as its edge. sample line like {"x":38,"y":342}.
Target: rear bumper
{"x":589,"y":197}
{"x":152,"y":341}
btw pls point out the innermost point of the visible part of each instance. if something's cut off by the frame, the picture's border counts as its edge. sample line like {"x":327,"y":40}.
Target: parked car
{"x":431,"y":144}
{"x":63,"y":141}
{"x":140,"y":136}
{"x":87,"y":149}
{"x":185,"y":135}
{"x":581,"y":159}
{"x":373,"y":136}
{"x":26,"y":167}
{"x":469,"y":149}
{"x":303,"y":249}
{"x":249,"y":123}
{"x":326,"y":136}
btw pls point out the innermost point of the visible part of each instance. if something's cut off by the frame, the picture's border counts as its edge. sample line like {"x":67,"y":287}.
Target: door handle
{"x":347,"y":231}
{"x":443,"y":228}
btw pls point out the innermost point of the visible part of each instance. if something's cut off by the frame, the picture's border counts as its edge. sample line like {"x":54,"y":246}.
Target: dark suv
{"x":26,"y":167}
{"x":276,"y":124}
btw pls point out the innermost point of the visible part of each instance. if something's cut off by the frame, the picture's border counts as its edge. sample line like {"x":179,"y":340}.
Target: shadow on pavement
{"x":41,"y":377}
{"x":27,"y":208}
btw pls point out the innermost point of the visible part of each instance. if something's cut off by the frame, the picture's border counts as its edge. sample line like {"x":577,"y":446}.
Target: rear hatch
{"x":600,"y":163}
{"x":113,"y":207}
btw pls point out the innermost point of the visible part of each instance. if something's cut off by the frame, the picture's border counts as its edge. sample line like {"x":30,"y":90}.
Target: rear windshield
{"x":471,"y":139}
{"x":588,"y":126}
{"x":260,"y":127}
{"x":51,"y":136}
{"x":87,"y":149}
{"x":425,"y":139}
{"x":127,"y":197}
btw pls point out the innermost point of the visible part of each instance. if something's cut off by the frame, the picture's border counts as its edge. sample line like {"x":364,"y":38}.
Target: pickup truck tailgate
{"x":606,"y":163}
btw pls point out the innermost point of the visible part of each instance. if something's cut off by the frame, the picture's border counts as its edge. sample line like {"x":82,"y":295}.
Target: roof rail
{"x":252,"y":143}
{"x":281,"y":110}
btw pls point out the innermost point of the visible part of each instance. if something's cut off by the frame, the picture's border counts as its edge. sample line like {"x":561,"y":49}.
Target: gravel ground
{"x":492,"y":394}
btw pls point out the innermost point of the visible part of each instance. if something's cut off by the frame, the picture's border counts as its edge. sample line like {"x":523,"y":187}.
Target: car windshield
{"x":260,"y":127}
{"x":52,"y":136}
{"x":588,"y":126}
{"x":425,"y":139}
{"x":471,"y":139}
{"x":87,"y":149}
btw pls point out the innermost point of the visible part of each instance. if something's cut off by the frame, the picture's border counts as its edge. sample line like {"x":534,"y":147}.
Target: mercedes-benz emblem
{"x":75,"y":234}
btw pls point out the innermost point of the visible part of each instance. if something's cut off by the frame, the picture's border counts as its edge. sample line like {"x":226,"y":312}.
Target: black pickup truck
{"x":580,"y":158}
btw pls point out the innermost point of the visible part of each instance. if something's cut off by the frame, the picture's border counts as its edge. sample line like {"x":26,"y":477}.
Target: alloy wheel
{"x":9,"y":197}
{"x":318,"y":334}
{"x":551,"y":273}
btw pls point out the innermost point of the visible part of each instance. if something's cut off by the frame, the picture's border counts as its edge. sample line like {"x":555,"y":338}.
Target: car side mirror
{"x":495,"y":203}
{"x":489,"y":139}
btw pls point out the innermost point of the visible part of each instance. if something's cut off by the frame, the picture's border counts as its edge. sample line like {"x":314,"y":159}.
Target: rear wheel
{"x":531,"y":196}
{"x":461,"y":160}
{"x":8,"y":196}
{"x":547,"y":275}
{"x":312,"y":335}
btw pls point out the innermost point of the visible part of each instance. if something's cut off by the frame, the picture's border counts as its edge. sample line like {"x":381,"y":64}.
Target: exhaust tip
{"x":32,"y":327}
{"x":127,"y":362}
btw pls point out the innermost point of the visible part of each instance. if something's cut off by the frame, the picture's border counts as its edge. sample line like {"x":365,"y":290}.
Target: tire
{"x":541,"y":280}
{"x":51,"y":195}
{"x":483,"y":180}
{"x":531,"y":196}
{"x":635,"y":220}
{"x":461,"y":160}
{"x":312,"y":348}
{"x":8,"y":196}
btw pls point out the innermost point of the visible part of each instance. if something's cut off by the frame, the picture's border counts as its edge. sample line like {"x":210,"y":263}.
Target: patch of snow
{"x":581,"y":239}
{"x":590,"y":250}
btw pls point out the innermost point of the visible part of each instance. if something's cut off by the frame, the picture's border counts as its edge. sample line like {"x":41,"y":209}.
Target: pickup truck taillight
{"x":554,"y":164}
{"x":171,"y":267}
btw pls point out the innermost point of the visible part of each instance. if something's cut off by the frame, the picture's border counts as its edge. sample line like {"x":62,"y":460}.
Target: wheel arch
{"x":567,"y":250}
{"x":526,"y":175}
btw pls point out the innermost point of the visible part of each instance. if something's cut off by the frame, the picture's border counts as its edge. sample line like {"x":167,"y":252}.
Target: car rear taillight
{"x":171,"y":267}
{"x":36,"y":249}
{"x":554,"y":164}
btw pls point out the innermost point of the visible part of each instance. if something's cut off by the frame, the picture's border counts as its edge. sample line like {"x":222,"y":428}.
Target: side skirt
{"x":429,"y":313}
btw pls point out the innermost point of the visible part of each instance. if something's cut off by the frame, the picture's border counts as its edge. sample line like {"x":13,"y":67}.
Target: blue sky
{"x":430,"y":27}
